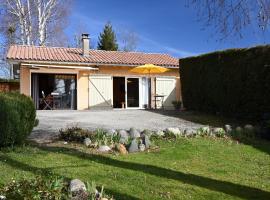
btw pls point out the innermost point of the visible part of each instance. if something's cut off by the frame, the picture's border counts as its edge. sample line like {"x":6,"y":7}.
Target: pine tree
{"x":107,"y":39}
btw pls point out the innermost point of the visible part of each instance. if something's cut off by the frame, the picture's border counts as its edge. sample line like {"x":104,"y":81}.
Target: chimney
{"x":85,"y":44}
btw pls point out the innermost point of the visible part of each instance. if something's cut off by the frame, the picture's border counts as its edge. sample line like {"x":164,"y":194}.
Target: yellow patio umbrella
{"x":149,"y":69}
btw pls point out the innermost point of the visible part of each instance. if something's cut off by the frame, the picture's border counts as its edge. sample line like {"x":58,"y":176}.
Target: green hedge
{"x":17,"y":118}
{"x":233,"y":82}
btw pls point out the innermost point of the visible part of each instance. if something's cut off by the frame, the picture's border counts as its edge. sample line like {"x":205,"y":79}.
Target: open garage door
{"x":100,"y":91}
{"x":166,"y":86}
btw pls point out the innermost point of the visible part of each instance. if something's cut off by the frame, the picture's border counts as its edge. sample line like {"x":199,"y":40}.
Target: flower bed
{"x":134,"y":140}
{"x":52,"y":187}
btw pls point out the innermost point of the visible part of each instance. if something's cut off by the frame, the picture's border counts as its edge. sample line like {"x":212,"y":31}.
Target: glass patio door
{"x":132,"y":92}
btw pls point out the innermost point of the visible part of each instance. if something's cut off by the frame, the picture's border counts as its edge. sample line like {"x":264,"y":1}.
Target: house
{"x":82,"y":78}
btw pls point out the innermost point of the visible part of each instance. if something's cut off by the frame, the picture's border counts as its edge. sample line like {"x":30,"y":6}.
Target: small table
{"x":162,"y":100}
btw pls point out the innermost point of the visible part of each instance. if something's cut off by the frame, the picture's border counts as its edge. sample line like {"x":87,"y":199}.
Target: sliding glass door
{"x":54,"y":91}
{"x":133,"y":92}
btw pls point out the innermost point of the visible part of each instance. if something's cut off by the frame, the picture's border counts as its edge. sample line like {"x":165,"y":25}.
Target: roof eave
{"x":11,"y":60}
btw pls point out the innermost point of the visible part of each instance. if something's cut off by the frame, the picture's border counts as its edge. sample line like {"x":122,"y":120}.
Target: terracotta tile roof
{"x":60,"y":54}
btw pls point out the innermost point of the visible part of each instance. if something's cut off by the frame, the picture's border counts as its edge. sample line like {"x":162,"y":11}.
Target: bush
{"x":233,"y":82}
{"x":17,"y":118}
{"x":75,"y":134}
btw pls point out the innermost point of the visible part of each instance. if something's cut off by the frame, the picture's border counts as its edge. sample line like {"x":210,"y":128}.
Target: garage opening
{"x":54,"y":91}
{"x":119,"y":92}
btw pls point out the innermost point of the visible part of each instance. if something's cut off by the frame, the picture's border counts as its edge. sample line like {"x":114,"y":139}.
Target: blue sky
{"x":161,"y":26}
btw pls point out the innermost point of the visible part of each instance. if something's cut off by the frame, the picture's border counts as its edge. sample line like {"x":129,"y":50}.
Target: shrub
{"x":233,"y":82}
{"x":17,"y":118}
{"x":75,"y":134}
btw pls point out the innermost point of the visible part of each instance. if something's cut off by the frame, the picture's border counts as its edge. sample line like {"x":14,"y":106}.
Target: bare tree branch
{"x":231,"y":17}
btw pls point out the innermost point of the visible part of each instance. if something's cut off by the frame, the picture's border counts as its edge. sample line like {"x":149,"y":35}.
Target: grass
{"x":198,"y":168}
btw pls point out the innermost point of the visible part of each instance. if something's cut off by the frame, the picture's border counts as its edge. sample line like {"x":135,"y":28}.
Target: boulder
{"x":142,"y":147}
{"x":146,"y":132}
{"x":122,"y":149}
{"x":133,"y":146}
{"x":239,"y":129}
{"x":87,"y":142}
{"x":189,"y":133}
{"x":228,"y":128}
{"x":175,"y":131}
{"x":104,"y":148}
{"x":134,"y":133}
{"x":123,"y":134}
{"x":111,"y":132}
{"x":159,"y":133}
{"x":2,"y":197}
{"x":249,"y":130}
{"x":219,"y":132}
{"x":249,"y":127}
{"x":146,"y":141}
{"x":123,"y":140}
{"x":76,"y":185}
{"x":203,"y":131}
{"x":206,"y":130}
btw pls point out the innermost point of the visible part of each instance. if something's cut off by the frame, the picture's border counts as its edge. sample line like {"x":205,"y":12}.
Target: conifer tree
{"x":107,"y":39}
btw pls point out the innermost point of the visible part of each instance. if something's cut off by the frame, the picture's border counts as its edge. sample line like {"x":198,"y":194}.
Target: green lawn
{"x":198,"y":168}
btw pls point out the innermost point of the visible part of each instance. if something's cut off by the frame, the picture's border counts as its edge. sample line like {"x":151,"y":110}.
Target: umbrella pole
{"x":149,"y":91}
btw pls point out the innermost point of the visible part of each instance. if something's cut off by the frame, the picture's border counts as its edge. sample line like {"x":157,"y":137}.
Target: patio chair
{"x":47,"y":100}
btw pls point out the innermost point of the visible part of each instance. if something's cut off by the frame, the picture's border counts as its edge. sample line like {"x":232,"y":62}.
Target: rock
{"x":134,"y":133}
{"x":175,"y":131}
{"x":2,"y":197}
{"x":141,"y":147}
{"x":206,"y":130}
{"x":228,"y":128}
{"x":76,"y":185}
{"x":104,"y":148}
{"x":122,"y":149}
{"x":189,"y":133}
{"x":249,"y":127}
{"x":249,"y":130}
{"x":146,"y":141}
{"x":123,"y":134}
{"x":203,"y":131}
{"x":87,"y":142}
{"x":146,"y":132}
{"x":111,"y":132}
{"x":123,"y":140}
{"x":219,"y":132}
{"x":160,"y":133}
{"x":133,"y":146}
{"x":239,"y":129}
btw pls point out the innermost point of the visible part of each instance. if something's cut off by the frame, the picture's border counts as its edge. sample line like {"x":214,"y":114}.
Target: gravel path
{"x":51,"y":121}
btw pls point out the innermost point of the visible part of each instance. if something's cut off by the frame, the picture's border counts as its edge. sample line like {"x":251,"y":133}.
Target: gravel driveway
{"x":51,"y":121}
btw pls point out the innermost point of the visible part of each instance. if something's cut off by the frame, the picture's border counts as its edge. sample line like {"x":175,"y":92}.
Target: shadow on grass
{"x":45,"y":171}
{"x":226,"y":187}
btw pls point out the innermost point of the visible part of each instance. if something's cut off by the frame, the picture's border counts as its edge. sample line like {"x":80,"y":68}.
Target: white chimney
{"x":85,"y":44}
